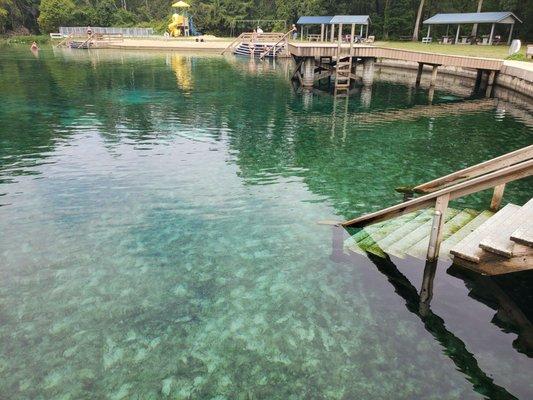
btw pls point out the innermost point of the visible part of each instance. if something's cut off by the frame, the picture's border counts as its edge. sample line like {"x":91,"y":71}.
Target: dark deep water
{"x":158,"y":236}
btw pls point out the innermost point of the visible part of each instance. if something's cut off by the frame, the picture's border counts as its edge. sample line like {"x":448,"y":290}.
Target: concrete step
{"x":464,"y":232}
{"x":399,"y":248}
{"x":420,"y":249}
{"x":499,"y":240}
{"x":468,"y":248}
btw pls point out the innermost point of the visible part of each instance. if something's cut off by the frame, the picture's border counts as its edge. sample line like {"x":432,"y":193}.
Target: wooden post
{"x":435,"y":238}
{"x":352,"y":33}
{"x":457,"y":34}
{"x":332,"y":33}
{"x":497,"y":197}
{"x":361,"y":31}
{"x":368,"y":71}
{"x":302,"y":32}
{"x":490,"y":83}
{"x":429,"y":30}
{"x":426,"y":291}
{"x":322,"y":32}
{"x":433,"y":76}
{"x":491,"y":33}
{"x":478,"y":80}
{"x":510,"y":34}
{"x":366,"y":35}
{"x":340,"y":34}
{"x":419,"y":73}
{"x":308,"y":72}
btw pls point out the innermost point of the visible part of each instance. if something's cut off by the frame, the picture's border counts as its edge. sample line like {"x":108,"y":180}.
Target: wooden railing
{"x":283,"y":38}
{"x":64,"y":41}
{"x":474,"y":171}
{"x":499,"y":175}
{"x":248,"y":37}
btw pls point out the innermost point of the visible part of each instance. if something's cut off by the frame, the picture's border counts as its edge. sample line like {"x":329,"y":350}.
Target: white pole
{"x":353,"y":33}
{"x":322,"y":32}
{"x":491,"y":33}
{"x":457,"y":34}
{"x":510,"y":34}
{"x":332,"y":33}
{"x":429,"y":30}
{"x":340,"y":34}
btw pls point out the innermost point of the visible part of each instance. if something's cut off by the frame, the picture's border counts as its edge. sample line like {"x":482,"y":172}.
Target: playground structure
{"x":182,"y":23}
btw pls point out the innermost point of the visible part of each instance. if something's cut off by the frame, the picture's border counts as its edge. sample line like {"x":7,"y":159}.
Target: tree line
{"x":390,"y":18}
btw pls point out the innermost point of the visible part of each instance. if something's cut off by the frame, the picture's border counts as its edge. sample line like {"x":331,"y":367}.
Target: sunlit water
{"x":159,"y":236}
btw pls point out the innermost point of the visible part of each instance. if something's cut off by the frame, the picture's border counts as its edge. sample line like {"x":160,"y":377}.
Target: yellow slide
{"x":176,"y":27}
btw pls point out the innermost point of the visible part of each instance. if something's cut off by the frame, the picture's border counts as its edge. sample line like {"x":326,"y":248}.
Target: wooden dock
{"x":492,"y":242}
{"x":318,"y":50}
{"x":316,"y":61}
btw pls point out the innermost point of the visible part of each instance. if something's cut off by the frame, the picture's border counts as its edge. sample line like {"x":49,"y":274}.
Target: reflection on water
{"x":159,"y":240}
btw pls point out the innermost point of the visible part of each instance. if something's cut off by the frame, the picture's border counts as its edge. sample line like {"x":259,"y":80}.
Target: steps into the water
{"x":245,"y":49}
{"x":499,"y":241}
{"x":487,"y":242}
{"x":468,"y":248}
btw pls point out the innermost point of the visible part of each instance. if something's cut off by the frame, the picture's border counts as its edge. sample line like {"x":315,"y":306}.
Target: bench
{"x":406,"y":38}
{"x":56,"y":36}
{"x":427,"y":39}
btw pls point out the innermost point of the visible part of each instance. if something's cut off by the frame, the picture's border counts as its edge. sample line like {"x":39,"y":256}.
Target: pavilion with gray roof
{"x":493,"y":18}
{"x":330,"y":21}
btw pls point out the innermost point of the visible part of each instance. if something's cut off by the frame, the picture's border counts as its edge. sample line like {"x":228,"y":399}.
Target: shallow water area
{"x":159,"y":236}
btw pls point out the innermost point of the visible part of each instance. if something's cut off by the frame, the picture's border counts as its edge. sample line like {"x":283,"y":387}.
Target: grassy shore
{"x":27,"y":39}
{"x":500,"y":52}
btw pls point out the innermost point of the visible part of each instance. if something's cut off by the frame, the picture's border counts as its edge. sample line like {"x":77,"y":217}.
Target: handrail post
{"x":435,"y":237}
{"x":497,"y":197}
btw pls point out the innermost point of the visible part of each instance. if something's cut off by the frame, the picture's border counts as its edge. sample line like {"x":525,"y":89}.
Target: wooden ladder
{"x":343,"y":72}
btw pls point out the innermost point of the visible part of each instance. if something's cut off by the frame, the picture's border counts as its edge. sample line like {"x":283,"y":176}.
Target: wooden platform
{"x":364,"y":51}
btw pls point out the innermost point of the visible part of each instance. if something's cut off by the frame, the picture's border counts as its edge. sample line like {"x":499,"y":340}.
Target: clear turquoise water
{"x":159,"y":239}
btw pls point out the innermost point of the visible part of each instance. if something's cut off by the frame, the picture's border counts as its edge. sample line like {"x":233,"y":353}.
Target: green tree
{"x":54,"y":13}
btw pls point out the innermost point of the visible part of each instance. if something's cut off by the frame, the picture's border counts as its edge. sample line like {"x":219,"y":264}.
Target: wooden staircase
{"x":408,"y":235}
{"x":501,"y":244}
{"x":491,"y":242}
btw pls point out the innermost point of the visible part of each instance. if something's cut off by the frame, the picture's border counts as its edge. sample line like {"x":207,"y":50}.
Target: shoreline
{"x":209,"y":45}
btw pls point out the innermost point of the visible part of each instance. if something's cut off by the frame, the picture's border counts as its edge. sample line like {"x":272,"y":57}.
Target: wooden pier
{"x":316,"y":61}
{"x":492,"y":242}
